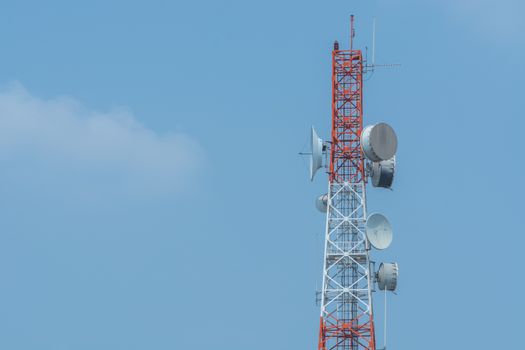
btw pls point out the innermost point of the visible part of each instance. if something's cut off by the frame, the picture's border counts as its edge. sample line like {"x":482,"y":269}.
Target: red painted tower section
{"x":346,"y":160}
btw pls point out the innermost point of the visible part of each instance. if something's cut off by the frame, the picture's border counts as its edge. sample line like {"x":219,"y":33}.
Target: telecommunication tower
{"x":354,"y":155}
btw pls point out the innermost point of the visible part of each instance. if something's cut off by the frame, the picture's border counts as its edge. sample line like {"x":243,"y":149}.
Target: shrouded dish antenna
{"x":321,"y":203}
{"x":387,"y":276}
{"x":378,"y":231}
{"x":382,"y":173}
{"x":316,"y":160}
{"x":379,"y":142}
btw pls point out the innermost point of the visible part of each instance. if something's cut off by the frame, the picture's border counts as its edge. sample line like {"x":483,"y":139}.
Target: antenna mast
{"x":355,"y":153}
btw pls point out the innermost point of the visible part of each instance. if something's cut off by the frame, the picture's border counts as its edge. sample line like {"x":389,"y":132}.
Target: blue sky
{"x":151,"y":195}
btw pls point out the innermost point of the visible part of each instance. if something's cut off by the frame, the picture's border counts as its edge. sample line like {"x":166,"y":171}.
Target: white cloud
{"x":62,"y":141}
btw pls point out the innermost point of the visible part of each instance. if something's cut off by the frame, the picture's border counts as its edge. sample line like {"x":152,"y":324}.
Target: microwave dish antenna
{"x":387,"y":276}
{"x":316,"y":157}
{"x":378,"y":231}
{"x":379,"y":142}
{"x":321,"y":203}
{"x":382,"y":173}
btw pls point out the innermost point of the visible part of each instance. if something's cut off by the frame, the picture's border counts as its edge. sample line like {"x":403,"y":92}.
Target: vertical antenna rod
{"x":374,"y":42}
{"x":352,"y":33}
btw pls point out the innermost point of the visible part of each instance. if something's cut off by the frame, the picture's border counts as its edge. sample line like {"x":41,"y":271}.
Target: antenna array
{"x":354,"y":154}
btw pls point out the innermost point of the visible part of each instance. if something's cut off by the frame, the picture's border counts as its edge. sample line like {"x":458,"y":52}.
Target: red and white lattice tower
{"x":347,"y":319}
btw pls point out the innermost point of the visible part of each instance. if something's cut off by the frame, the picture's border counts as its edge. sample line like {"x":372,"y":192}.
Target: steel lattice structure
{"x":346,"y":298}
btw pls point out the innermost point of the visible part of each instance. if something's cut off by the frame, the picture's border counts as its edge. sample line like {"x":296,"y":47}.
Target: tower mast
{"x":347,"y":321}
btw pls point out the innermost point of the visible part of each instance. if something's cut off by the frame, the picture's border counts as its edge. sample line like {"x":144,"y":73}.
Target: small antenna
{"x":352,"y":33}
{"x":374,"y":42}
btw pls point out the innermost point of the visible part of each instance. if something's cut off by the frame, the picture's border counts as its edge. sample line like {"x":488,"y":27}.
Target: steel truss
{"x":346,"y":300}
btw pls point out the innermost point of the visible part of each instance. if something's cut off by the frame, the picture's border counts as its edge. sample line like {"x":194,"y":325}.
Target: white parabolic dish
{"x":321,"y":203}
{"x":379,"y":142}
{"x":378,"y":231}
